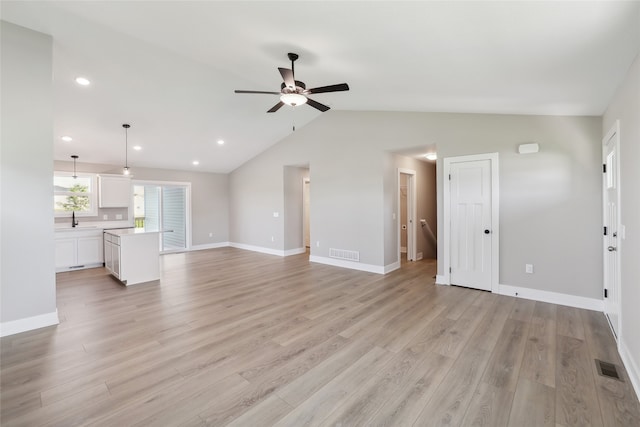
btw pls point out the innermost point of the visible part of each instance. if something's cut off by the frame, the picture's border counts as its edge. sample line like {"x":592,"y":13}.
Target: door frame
{"x":495,"y":214}
{"x":306,"y":191}
{"x":614,"y":132}
{"x":411,"y":214}
{"x":187,"y":202}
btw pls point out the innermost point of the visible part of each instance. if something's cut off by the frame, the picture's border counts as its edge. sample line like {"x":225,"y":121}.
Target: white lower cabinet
{"x":112,"y":254}
{"x":79,"y":249}
{"x":132,"y":256}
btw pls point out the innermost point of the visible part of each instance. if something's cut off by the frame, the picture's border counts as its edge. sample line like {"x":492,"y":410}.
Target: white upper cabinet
{"x":114,"y":191}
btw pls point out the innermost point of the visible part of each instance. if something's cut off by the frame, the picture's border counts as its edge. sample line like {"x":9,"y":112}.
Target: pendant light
{"x":126,"y":169}
{"x":74,"y":157}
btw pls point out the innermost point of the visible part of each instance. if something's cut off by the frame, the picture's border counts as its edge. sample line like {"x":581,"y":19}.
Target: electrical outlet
{"x":318,"y":244}
{"x":528,"y":268}
{"x":276,"y":214}
{"x":105,"y":217}
{"x":210,"y":234}
{"x":273,"y":239}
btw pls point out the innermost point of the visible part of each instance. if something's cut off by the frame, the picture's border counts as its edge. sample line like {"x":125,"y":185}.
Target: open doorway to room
{"x":297,"y":210}
{"x":416,"y":206}
{"x":164,"y":207}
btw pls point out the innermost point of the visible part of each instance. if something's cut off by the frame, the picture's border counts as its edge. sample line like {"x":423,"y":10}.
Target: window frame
{"x":92,"y":194}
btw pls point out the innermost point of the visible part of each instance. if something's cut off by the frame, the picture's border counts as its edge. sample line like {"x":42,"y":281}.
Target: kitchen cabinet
{"x":112,"y":254}
{"x":132,"y":255}
{"x":78,"y":249}
{"x":114,"y":191}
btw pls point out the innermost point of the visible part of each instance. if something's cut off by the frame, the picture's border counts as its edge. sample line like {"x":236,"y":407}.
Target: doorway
{"x":407,"y":208}
{"x":611,"y":219}
{"x":471,"y":221}
{"x":306,"y":212}
{"x":164,"y":207}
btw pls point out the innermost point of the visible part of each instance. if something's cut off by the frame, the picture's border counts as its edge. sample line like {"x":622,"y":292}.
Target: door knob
{"x":611,"y":248}
{"x":486,"y":232}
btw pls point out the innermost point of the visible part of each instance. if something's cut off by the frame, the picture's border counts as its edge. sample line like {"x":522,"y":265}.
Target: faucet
{"x":73,"y":219}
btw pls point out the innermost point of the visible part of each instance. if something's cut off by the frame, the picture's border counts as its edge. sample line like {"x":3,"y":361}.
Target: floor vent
{"x":344,"y":254}
{"x":608,"y":370}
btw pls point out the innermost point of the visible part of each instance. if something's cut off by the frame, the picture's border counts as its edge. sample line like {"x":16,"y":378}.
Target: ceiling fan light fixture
{"x":293,"y":99}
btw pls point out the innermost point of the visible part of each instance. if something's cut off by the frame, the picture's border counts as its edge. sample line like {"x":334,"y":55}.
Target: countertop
{"x":129,"y":231}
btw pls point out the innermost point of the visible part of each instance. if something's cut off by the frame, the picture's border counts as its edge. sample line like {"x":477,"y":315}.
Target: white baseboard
{"x":263,"y":250}
{"x":630,"y":365}
{"x":441,"y":280}
{"x":209,"y":246}
{"x":278,"y":252}
{"x":29,"y":323}
{"x":348,"y":264}
{"x":552,"y":297}
{"x":391,"y":267}
{"x":296,"y":251}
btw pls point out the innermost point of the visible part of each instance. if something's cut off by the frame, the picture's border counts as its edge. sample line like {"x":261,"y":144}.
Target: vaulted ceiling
{"x":170,"y":68}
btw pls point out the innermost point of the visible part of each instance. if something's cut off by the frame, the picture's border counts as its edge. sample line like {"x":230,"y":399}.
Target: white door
{"x":471,"y":228}
{"x":611,"y":194}
{"x":407,"y":176}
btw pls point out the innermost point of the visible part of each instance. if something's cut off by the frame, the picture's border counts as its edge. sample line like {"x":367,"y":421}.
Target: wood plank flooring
{"x":230,"y":337}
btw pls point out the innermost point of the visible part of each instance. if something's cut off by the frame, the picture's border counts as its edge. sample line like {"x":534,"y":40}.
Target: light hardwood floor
{"x":230,"y":337}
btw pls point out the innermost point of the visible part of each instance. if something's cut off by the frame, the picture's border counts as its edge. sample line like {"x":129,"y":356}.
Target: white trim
{"x":29,"y":323}
{"x":209,"y":246}
{"x":495,"y":214}
{"x":391,"y":267}
{"x":613,"y":132}
{"x":348,"y":264}
{"x":412,"y":234}
{"x":84,"y":267}
{"x":551,"y":297}
{"x":260,"y":249}
{"x":630,"y":366}
{"x":441,"y":280}
{"x":296,"y":251}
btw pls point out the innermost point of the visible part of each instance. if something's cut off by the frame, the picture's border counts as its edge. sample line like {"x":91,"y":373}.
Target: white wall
{"x":625,"y":107}
{"x":550,"y":202}
{"x":209,"y":196}
{"x":28,"y":288}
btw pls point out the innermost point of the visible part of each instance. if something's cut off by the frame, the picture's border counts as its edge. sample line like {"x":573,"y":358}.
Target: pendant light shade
{"x":126,"y":169}
{"x":74,"y":157}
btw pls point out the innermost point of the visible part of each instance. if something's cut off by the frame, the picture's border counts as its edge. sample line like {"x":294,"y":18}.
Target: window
{"x":74,"y":194}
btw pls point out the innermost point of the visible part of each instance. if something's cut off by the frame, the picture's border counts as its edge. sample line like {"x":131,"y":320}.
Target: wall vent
{"x":344,"y":254}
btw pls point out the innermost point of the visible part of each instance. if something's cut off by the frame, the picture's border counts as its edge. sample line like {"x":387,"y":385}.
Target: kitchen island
{"x":132,"y":255}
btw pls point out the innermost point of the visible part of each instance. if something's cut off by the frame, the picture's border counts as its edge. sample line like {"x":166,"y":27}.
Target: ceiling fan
{"x":294,"y":92}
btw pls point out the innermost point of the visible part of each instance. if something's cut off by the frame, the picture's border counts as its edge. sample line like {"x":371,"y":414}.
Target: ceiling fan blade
{"x":287,"y":76}
{"x":317,"y":105}
{"x":276,"y":107}
{"x":256,"y":91}
{"x":332,"y":88}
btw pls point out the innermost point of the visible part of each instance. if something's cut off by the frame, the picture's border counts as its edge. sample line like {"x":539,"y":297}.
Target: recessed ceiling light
{"x":195,"y":163}
{"x":431,"y":156}
{"x":220,"y":142}
{"x":83,"y":81}
{"x":67,"y":138}
{"x":137,"y":147}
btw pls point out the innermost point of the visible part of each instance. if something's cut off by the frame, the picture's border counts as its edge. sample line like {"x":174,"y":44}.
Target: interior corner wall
{"x":625,"y":107}
{"x":28,"y":288}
